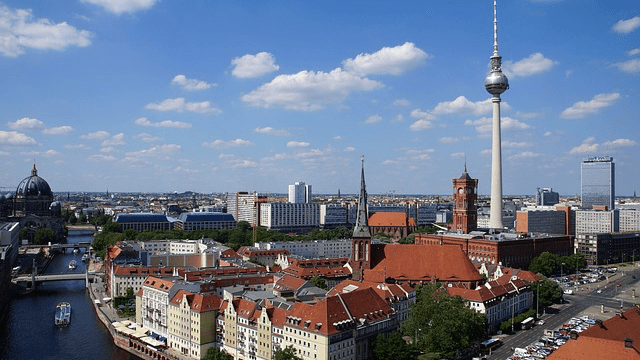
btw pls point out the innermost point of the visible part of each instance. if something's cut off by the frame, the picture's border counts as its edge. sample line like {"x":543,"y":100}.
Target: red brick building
{"x":465,"y":193}
{"x":395,"y":224}
{"x":509,"y":249}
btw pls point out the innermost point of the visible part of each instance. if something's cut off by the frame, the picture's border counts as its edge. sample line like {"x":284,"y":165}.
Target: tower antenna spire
{"x":495,"y":27}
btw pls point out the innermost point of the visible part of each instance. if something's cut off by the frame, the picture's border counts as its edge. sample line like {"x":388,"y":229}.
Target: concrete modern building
{"x":629,"y":220}
{"x":333,"y":215}
{"x":546,"y":197}
{"x":605,"y":248}
{"x":597,"y":221}
{"x":541,"y":219}
{"x":245,"y":207}
{"x":598,"y":182}
{"x":496,"y":83}
{"x":317,"y":249}
{"x":143,"y":221}
{"x":205,"y":221}
{"x":300,"y":193}
{"x":290,"y":217}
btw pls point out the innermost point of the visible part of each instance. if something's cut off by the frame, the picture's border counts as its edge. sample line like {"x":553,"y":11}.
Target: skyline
{"x":161,"y":96}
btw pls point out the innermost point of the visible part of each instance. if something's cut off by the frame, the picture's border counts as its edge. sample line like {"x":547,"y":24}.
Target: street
{"x":582,"y":302}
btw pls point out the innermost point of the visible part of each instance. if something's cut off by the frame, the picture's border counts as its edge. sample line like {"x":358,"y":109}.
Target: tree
{"x":550,"y":292}
{"x":216,"y":354}
{"x":392,"y":347}
{"x":288,"y":353}
{"x":44,"y":236}
{"x":319,"y":282}
{"x":545,"y":264}
{"x":441,"y":323}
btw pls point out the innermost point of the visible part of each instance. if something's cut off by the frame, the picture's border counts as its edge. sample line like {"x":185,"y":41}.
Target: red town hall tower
{"x":465,"y":193}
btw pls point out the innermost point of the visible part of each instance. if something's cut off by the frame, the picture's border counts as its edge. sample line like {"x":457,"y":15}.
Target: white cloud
{"x":373,"y":119}
{"x":101,"y":158}
{"x":76,"y":147}
{"x":536,"y":63}
{"x":222,"y":144}
{"x":297,"y":144}
{"x":115,"y":140}
{"x":58,"y":130}
{"x":524,"y":155}
{"x":15,"y":138}
{"x":308,"y":90}
{"x":484,"y":125}
{"x":448,"y":140}
{"x":268,"y":130}
{"x":631,"y":66}
{"x":514,"y":144}
{"x":337,"y":137}
{"x":46,"y":154}
{"x":349,"y":149}
{"x":162,"y":151}
{"x":627,"y":26}
{"x":25,"y":124}
{"x":191,"y":84}
{"x":148,"y":137}
{"x":463,"y":105}
{"x":425,"y":120}
{"x":397,"y":119}
{"x":244,"y":164}
{"x":548,"y":133}
{"x":633,"y":52}
{"x":589,"y":146}
{"x":180,"y":105}
{"x":419,"y":154}
{"x":401,"y":102}
{"x":109,"y":149}
{"x":123,"y":6}
{"x":457,"y":155}
{"x":388,"y":60}
{"x":19,"y":30}
{"x":143,"y":121}
{"x":584,"y":108}
{"x":99,"y":135}
{"x":251,"y":66}
{"x":485,"y":152}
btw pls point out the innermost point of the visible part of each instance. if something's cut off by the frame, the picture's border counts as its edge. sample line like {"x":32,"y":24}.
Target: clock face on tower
{"x":460,"y":191}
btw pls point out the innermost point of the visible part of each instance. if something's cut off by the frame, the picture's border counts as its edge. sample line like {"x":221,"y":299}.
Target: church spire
{"x":361,"y":229}
{"x":34,"y":171}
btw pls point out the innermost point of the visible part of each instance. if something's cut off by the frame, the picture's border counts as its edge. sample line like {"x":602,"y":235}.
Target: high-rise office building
{"x":598,"y":182}
{"x":300,"y":193}
{"x":547,"y":197}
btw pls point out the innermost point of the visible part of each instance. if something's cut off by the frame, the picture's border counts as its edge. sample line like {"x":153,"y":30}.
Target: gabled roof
{"x":246,"y":309}
{"x":587,"y":348}
{"x":198,"y":302}
{"x":409,"y":262}
{"x":288,"y":282}
{"x":158,"y":284}
{"x":390,"y":292}
{"x":619,"y":327}
{"x":388,"y":219}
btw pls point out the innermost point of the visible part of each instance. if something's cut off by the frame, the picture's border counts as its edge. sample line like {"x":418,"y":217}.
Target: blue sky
{"x":216,"y":96}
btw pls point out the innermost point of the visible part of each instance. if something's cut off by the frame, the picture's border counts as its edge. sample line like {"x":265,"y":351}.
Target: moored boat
{"x":63,"y":314}
{"x":85,"y":257}
{"x":72,"y":264}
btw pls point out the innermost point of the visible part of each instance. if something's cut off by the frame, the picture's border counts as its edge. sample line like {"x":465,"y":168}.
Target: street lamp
{"x":561,"y":273}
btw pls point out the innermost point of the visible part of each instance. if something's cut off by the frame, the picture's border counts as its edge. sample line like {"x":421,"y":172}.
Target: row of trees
{"x":548,"y":264}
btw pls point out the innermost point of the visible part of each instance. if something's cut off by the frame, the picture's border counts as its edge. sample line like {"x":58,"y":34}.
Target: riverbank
{"x":128,"y":342}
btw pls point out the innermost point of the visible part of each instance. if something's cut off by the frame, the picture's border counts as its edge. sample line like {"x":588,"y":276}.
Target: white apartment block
{"x":316,"y":249}
{"x":187,"y":247}
{"x":154,"y":303}
{"x":597,"y":221}
{"x":300,"y":193}
{"x":629,"y":220}
{"x":541,"y":220}
{"x":333,"y":215}
{"x":284,"y":216}
{"x":155,"y":246}
{"x":242,"y":206}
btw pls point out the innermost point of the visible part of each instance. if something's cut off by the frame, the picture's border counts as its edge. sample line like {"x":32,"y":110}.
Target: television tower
{"x":496,"y":83}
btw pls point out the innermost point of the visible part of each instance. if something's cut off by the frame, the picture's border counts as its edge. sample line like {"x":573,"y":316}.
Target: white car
{"x":599,"y":291}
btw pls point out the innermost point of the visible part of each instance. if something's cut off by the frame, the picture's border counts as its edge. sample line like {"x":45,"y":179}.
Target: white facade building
{"x":629,"y":220}
{"x":333,"y":215}
{"x":316,"y":249}
{"x":597,"y":221}
{"x":288,"y":216}
{"x":300,"y":193}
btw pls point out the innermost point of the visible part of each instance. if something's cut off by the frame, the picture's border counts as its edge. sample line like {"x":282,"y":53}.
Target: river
{"x":28,"y":331}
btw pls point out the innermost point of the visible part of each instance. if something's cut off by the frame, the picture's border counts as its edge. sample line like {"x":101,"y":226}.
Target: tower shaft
{"x":495,"y":215}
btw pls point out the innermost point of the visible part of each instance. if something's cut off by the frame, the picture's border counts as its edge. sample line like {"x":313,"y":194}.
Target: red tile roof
{"x":198,"y":302}
{"x":423,"y":263}
{"x":587,"y":348}
{"x":618,"y":327}
{"x":388,"y":219}
{"x":158,"y":284}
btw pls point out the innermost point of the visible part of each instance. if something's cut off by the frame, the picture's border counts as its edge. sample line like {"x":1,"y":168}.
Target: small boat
{"x":63,"y":314}
{"x":85,"y":257}
{"x":75,"y":251}
{"x":72,"y":264}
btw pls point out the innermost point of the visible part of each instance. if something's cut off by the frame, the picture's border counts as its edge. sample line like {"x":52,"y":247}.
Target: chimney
{"x":628,"y":342}
{"x":574,"y":335}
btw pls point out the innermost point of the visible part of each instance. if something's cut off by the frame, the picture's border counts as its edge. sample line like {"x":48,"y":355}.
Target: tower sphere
{"x":496,"y":82}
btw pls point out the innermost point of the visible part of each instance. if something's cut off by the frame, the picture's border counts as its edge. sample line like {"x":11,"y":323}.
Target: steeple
{"x":361,"y":229}
{"x":34,"y":171}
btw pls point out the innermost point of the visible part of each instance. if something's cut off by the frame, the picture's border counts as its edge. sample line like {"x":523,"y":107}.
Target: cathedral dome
{"x":34,"y":185}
